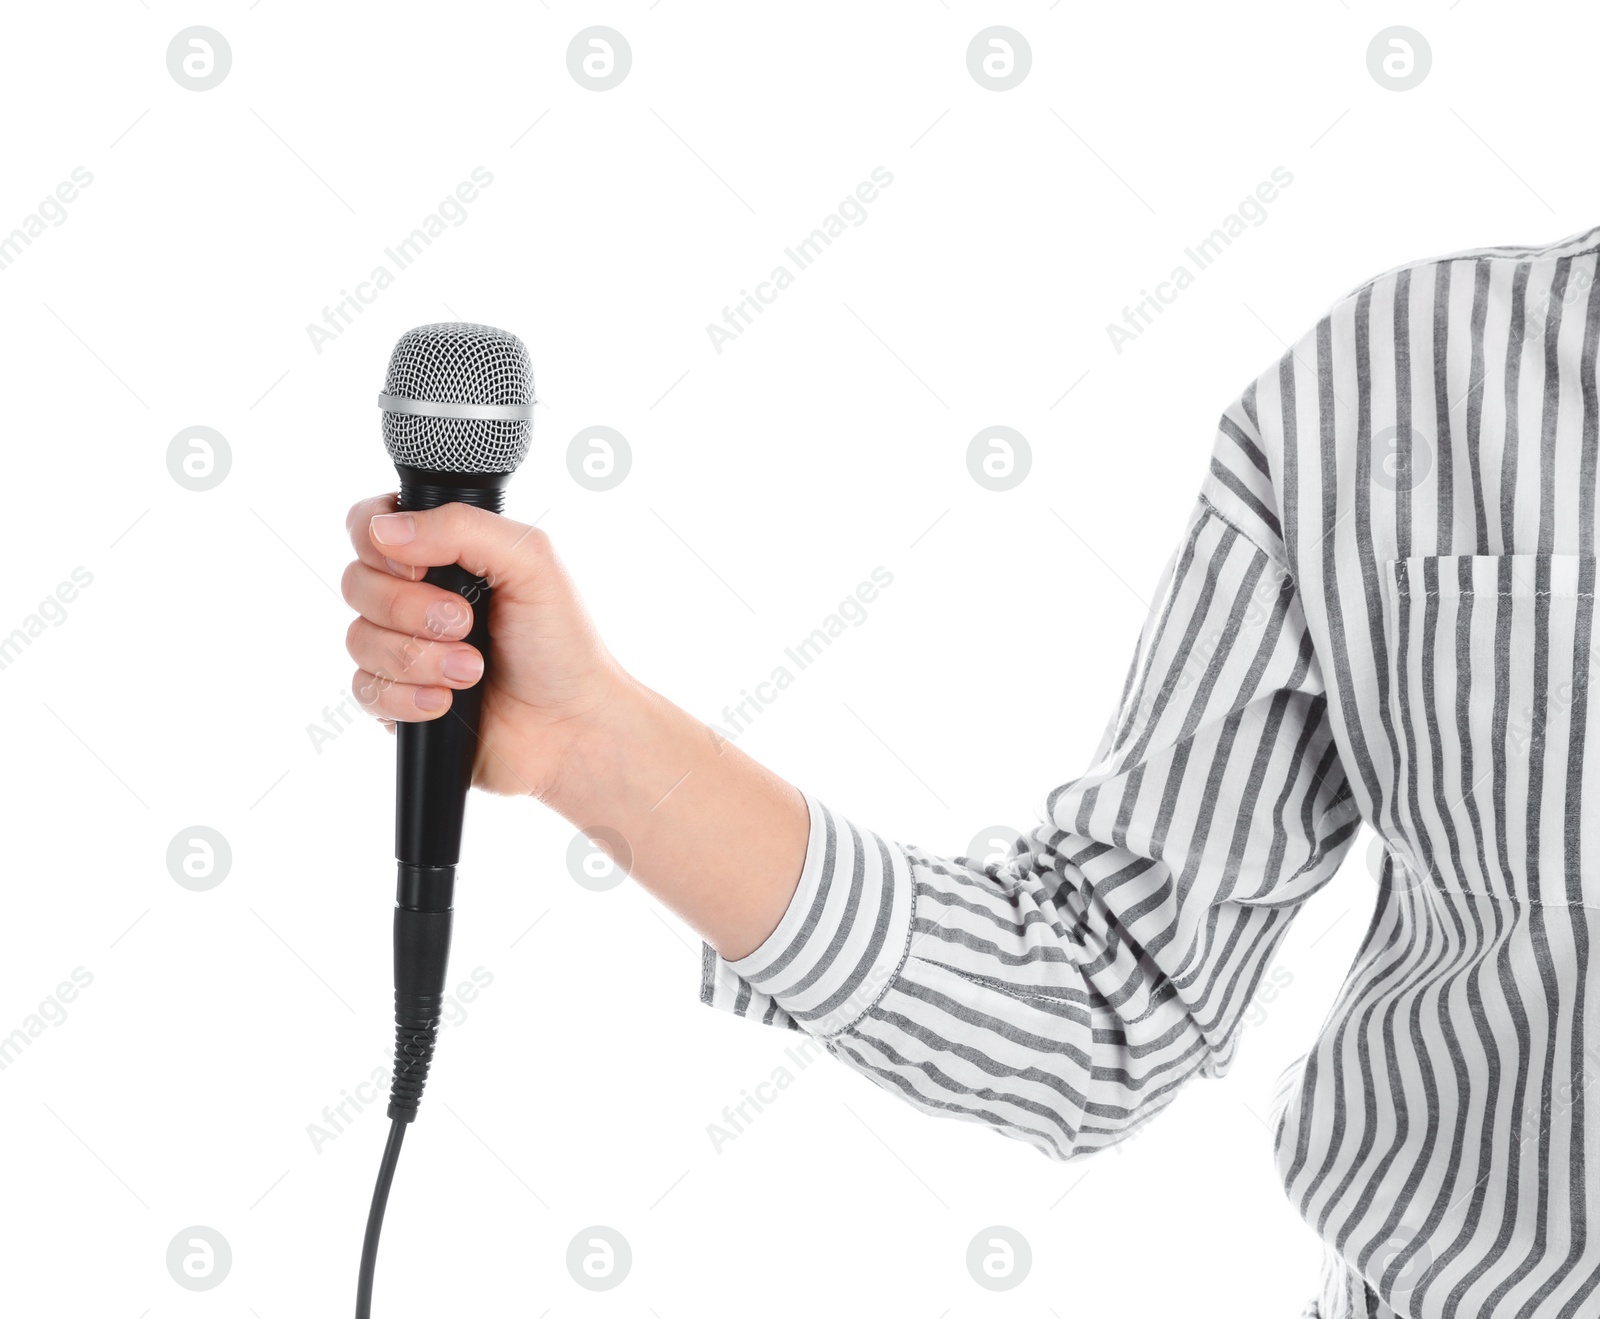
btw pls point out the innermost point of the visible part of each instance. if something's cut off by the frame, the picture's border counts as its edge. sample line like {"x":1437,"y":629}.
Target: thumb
{"x":484,"y":543}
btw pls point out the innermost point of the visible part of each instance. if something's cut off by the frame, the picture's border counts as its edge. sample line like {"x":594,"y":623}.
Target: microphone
{"x":457,"y":418}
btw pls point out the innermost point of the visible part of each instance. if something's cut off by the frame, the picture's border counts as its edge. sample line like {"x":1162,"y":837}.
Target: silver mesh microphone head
{"x":458,"y":398}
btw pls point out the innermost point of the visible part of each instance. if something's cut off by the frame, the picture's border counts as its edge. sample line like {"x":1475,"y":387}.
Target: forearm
{"x":712,"y":834}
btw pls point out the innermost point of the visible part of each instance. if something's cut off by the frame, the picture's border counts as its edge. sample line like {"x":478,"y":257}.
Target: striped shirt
{"x":1381,"y":610}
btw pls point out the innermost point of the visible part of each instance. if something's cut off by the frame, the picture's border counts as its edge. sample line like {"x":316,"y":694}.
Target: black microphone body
{"x":433,"y":772}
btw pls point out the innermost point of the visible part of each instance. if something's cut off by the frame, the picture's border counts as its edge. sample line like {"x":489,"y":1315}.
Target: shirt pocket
{"x":1489,"y":663}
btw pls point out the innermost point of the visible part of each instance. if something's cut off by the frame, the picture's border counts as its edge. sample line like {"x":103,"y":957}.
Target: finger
{"x":485,"y":544}
{"x":414,"y":661}
{"x":416,"y":608}
{"x":358,"y":520}
{"x":395,"y":702}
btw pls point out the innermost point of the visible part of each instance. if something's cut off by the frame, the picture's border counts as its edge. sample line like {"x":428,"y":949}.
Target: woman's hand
{"x":550,"y":677}
{"x":697,"y":822}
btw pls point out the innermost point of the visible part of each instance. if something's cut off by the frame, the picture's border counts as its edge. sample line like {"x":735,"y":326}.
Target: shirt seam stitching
{"x":1213,"y":511}
{"x":1513,"y":898}
{"x":999,"y":986}
{"x":905,"y":956}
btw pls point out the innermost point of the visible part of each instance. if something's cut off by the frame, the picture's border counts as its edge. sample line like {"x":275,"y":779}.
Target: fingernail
{"x":394,"y":528}
{"x":463,"y":666}
{"x":400,"y":569}
{"x":431,"y":698}
{"x":444,"y":617}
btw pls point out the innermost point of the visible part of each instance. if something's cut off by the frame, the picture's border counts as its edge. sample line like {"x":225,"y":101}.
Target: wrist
{"x":693,"y":819}
{"x":601,"y":746}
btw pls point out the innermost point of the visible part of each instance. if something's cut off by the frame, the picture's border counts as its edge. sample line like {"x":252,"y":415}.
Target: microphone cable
{"x":421,"y":951}
{"x":380,"y":1200}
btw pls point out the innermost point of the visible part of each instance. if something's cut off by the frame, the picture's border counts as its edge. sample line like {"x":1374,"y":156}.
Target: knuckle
{"x":536,"y":545}
{"x":468,"y":524}
{"x":394,"y":599}
{"x":401,"y":656}
{"x":360,"y":514}
{"x":368,"y":690}
{"x":352,"y":636}
{"x":347,"y":582}
{"x":445,"y":521}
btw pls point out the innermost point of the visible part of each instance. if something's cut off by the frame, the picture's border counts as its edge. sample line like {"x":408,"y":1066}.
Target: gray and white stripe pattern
{"x":1382,"y":609}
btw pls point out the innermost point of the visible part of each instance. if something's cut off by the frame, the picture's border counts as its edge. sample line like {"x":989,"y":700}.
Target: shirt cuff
{"x":840,"y":944}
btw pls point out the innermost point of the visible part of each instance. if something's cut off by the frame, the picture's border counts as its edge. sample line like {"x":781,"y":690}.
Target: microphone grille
{"x":457,"y":367}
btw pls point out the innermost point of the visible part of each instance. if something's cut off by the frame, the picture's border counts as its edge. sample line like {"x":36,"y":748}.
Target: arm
{"x":1061,"y":996}
{"x":715,"y":836}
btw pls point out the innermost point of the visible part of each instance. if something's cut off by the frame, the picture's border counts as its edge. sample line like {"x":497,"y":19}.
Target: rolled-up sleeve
{"x":1063,"y":994}
{"x":840,"y":944}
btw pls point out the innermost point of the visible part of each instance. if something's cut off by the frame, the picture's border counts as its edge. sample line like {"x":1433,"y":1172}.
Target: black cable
{"x":421,"y":953}
{"x":380,"y":1200}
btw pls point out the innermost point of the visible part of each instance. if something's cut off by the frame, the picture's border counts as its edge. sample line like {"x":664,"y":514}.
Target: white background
{"x":768,"y":480}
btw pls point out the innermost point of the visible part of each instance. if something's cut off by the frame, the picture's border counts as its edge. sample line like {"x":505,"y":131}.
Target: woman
{"x":1381,"y":609}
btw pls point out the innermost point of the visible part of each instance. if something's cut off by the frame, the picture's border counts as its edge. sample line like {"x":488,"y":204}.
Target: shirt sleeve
{"x":1063,"y":994}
